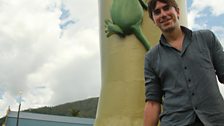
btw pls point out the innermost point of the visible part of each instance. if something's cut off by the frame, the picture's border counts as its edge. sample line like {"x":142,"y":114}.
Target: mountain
{"x":84,"y":108}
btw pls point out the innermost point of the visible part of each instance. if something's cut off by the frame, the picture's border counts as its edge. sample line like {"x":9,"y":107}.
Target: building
{"x":33,"y":119}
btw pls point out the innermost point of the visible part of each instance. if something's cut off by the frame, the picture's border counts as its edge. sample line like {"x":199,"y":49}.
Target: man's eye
{"x":156,"y":12}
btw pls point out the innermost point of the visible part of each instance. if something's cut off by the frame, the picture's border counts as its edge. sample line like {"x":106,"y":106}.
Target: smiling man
{"x":180,"y":73}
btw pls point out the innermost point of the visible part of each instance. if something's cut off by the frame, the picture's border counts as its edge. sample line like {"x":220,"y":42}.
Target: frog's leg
{"x":144,"y":5}
{"x":140,"y":35}
{"x":111,"y":28}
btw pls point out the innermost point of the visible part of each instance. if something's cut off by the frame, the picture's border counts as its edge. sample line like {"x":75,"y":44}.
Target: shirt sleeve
{"x":153,"y":91}
{"x":217,"y":57}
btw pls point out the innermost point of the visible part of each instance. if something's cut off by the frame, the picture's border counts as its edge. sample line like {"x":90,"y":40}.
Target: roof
{"x":53,"y":118}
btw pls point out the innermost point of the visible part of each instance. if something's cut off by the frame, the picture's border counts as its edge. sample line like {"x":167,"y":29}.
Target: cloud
{"x":221,"y":88}
{"x":1,"y":93}
{"x":205,"y":9}
{"x":201,"y":12}
{"x":48,"y":70}
{"x":27,"y":34}
{"x":216,"y":7}
{"x":219,"y":33}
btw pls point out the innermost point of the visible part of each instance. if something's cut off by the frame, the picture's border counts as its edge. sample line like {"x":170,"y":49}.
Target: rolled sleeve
{"x":152,"y":86}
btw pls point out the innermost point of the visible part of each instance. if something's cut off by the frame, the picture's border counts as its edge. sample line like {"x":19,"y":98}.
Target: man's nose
{"x":162,"y":13}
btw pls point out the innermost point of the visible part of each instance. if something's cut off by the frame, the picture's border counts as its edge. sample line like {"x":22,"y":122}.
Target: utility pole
{"x":20,"y":99}
{"x":17,"y":119}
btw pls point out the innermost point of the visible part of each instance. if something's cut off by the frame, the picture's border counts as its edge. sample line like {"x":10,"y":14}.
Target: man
{"x":180,"y":73}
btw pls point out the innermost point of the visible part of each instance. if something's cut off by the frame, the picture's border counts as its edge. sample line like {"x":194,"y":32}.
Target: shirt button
{"x":189,"y":80}
{"x":192,"y":94}
{"x":185,"y":67}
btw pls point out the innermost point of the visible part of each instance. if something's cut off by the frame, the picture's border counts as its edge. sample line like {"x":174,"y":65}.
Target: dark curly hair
{"x":152,"y":5}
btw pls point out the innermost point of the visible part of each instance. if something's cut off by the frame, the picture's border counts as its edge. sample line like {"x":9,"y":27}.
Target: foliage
{"x":75,"y":112}
{"x":2,"y":120}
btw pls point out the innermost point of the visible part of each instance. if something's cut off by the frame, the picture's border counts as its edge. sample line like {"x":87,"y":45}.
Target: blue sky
{"x":50,"y":48}
{"x":210,"y":19}
{"x":205,"y":14}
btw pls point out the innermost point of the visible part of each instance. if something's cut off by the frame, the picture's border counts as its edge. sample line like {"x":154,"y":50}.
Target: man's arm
{"x":153,"y":90}
{"x":217,"y":56}
{"x":151,"y":113}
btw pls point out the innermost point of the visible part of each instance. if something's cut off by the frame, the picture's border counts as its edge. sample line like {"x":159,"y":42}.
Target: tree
{"x":75,"y":112}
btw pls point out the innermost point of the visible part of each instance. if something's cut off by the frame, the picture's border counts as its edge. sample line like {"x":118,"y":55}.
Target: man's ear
{"x":178,"y":12}
{"x":153,"y":20}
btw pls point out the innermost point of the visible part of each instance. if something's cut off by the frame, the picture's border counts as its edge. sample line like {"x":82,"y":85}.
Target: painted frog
{"x":127,"y":16}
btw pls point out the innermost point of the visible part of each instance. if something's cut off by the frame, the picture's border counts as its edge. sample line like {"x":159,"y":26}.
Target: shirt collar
{"x":188,"y":34}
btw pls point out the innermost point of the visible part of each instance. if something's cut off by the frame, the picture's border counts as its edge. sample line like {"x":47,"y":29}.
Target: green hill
{"x":84,"y":108}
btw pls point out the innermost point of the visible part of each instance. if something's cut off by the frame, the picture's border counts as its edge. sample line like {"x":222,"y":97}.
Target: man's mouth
{"x":164,"y":20}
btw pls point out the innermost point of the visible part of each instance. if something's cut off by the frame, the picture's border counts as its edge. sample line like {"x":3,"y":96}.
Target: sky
{"x":49,"y":49}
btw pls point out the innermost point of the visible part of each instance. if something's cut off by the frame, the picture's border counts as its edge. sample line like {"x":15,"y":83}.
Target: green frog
{"x":127,"y":17}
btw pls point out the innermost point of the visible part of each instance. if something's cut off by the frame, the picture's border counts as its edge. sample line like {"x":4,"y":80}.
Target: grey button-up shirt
{"x":185,"y":81}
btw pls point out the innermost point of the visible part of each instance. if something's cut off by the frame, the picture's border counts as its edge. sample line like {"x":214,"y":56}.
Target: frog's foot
{"x":140,"y":35}
{"x":111,"y":28}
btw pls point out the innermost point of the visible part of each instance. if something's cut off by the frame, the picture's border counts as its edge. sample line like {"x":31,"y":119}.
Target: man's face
{"x":165,"y":17}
